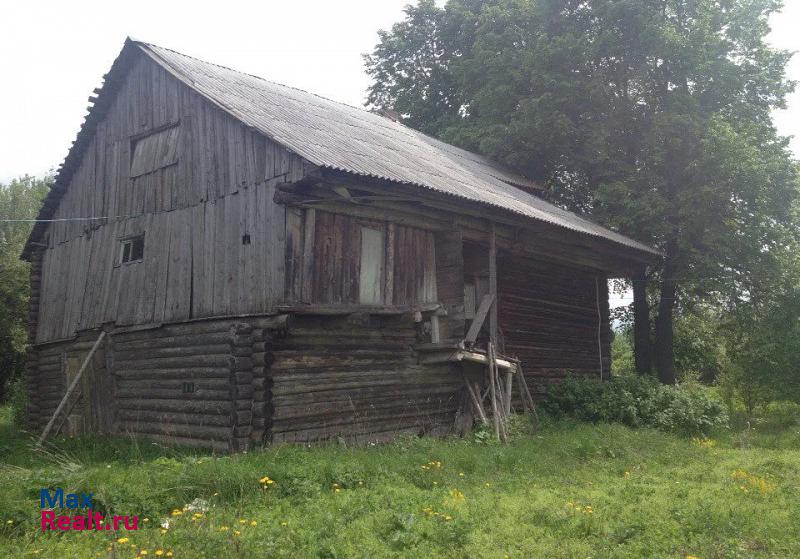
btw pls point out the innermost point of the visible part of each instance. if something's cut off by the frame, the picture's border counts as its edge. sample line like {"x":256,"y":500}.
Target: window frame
{"x":130,"y":241}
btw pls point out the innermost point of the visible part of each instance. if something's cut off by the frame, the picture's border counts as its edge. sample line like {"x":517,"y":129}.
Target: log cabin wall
{"x":214,"y":238}
{"x":357,"y":377}
{"x":549,"y":316}
{"x":199,"y":383}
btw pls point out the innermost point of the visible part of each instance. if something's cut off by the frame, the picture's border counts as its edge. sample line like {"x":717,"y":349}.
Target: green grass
{"x":568,"y":490}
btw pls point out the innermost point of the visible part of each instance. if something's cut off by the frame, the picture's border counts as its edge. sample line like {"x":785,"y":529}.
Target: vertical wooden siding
{"x":193,"y":214}
{"x":333,"y":259}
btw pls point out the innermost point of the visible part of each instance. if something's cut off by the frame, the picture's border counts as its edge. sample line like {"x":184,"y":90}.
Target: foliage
{"x":637,"y":401}
{"x":19,"y":199}
{"x":569,"y":491}
{"x":622,"y":360}
{"x":654,"y":117}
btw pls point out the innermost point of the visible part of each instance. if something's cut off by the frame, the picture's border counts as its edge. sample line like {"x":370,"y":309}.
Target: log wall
{"x":549,"y":317}
{"x":357,"y":377}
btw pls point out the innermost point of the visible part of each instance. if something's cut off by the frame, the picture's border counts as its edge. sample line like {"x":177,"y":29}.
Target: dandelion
{"x":159,"y":552}
{"x":9,"y":522}
{"x":142,"y":552}
{"x":457,"y":495}
{"x":242,"y":521}
{"x":163,"y":531}
{"x":176,"y":512}
{"x":460,"y":474}
{"x":487,"y":484}
{"x":168,"y":554}
{"x":284,"y":523}
{"x":237,"y":533}
{"x":224,"y":528}
{"x":253,"y":523}
{"x":122,"y":540}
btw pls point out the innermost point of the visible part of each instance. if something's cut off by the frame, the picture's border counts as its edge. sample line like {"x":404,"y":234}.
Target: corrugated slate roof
{"x":337,"y":136}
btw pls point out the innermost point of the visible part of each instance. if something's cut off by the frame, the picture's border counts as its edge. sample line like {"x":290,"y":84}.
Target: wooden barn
{"x":237,"y":262}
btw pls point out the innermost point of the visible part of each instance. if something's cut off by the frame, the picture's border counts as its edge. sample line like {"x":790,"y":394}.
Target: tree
{"x":652,"y":116}
{"x":19,"y":199}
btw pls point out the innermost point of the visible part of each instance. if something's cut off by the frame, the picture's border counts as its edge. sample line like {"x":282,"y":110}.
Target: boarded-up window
{"x":154,"y":151}
{"x":371,"y":278}
{"x":349,"y":257}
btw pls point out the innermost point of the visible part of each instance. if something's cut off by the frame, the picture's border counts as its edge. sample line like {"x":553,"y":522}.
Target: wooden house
{"x":269,"y":265}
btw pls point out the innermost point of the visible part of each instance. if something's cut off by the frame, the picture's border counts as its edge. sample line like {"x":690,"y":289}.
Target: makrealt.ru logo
{"x":75,"y":501}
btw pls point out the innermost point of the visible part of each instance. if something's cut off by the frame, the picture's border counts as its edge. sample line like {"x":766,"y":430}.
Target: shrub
{"x":636,"y":401}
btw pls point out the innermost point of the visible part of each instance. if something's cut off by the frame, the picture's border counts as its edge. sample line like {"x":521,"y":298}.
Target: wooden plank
{"x":307,"y":273}
{"x":480,"y":317}
{"x":493,"y":284}
{"x":372,"y":253}
{"x":70,"y":389}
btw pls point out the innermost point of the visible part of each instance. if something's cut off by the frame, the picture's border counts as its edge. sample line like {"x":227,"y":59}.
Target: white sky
{"x":53,"y":54}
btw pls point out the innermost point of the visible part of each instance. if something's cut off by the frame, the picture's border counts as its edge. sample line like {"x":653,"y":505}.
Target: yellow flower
{"x":460,"y":474}
{"x":176,"y":512}
{"x":692,"y":557}
{"x":223,"y":528}
{"x":9,"y":522}
{"x":169,"y":554}
{"x":336,"y":490}
{"x":215,"y":494}
{"x":237,"y":533}
{"x":145,"y":520}
{"x":122,"y":540}
{"x":284,"y":523}
{"x":242,"y":521}
{"x":163,"y":530}
{"x":253,"y":523}
{"x":143,"y":552}
{"x":159,"y":552}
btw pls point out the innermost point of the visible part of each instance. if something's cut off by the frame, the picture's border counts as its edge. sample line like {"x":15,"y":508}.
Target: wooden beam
{"x":493,"y":284}
{"x":70,"y":389}
{"x":480,"y":318}
{"x":307,"y":291}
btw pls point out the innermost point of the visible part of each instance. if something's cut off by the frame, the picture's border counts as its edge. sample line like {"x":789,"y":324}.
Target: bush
{"x":636,"y":401}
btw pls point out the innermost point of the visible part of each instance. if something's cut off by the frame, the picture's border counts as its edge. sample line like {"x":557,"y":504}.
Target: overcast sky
{"x":53,"y":54}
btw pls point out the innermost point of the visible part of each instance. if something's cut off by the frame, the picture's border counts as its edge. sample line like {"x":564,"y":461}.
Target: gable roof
{"x":340,"y":137}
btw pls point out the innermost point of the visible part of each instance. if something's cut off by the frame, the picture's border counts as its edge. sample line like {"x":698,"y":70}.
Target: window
{"x":132,"y":249}
{"x":370,"y":284}
{"x":154,"y":151}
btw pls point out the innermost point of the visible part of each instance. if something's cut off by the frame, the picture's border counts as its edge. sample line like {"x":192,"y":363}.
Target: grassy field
{"x":565,"y":491}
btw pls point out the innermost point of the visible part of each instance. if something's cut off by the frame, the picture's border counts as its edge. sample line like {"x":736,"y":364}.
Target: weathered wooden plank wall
{"x":357,"y":377}
{"x":194,"y":215}
{"x":548,"y":317}
{"x":333,"y":259}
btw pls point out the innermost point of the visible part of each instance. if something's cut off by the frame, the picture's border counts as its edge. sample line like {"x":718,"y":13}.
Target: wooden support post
{"x":71,"y":388}
{"x":507,"y":393}
{"x":306,"y":292}
{"x":493,"y":392}
{"x":476,"y":402}
{"x":493,"y":284}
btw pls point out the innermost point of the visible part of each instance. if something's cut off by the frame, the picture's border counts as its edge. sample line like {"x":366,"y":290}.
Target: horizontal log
{"x":172,"y":440}
{"x":179,"y":406}
{"x":223,"y":420}
{"x":167,"y":352}
{"x":190,"y":373}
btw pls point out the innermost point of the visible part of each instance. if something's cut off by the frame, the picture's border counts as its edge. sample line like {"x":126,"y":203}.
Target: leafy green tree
{"x":19,"y":199}
{"x":653,"y":116}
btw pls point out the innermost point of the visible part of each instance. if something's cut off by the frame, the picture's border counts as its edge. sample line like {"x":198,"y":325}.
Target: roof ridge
{"x":263,"y":79}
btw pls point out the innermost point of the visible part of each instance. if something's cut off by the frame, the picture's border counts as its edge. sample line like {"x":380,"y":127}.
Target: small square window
{"x":132,"y":249}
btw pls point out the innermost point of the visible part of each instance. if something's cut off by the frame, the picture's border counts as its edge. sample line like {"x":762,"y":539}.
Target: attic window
{"x":132,"y":249}
{"x":154,"y":151}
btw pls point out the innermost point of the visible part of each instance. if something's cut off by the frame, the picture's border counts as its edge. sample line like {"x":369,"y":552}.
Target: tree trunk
{"x":642,"y":349}
{"x":664,"y":356}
